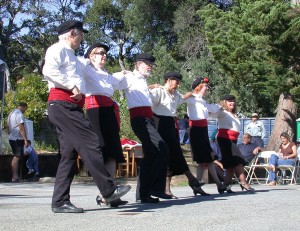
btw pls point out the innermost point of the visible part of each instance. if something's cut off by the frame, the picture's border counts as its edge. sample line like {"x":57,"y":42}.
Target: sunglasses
{"x":100,"y":53}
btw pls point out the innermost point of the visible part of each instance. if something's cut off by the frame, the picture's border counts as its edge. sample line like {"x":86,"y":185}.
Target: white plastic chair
{"x":256,"y":165}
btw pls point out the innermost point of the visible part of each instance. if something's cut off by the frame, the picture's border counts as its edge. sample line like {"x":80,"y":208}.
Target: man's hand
{"x":77,"y":96}
{"x":187,"y":95}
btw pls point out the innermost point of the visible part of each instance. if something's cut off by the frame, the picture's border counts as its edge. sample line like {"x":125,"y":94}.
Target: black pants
{"x":168,"y":132}
{"x":153,"y":168}
{"x":76,"y":136}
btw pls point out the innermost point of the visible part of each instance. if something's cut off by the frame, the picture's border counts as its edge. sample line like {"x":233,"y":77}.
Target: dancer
{"x":100,"y":108}
{"x":65,"y":112}
{"x":228,"y":132}
{"x":198,"y":110}
{"x":165,"y":100}
{"x":153,"y":168}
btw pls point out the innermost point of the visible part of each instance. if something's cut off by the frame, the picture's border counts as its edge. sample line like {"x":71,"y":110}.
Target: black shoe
{"x":120,"y":191}
{"x":67,"y":208}
{"x":161,"y":195}
{"x":113,"y":204}
{"x":149,"y":199}
{"x":117,"y":203}
{"x":35,"y":178}
{"x":199,"y":190}
{"x":222,"y":189}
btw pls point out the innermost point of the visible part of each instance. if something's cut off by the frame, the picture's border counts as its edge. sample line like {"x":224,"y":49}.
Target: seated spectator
{"x":32,"y":162}
{"x":249,"y":149}
{"x":286,"y":156}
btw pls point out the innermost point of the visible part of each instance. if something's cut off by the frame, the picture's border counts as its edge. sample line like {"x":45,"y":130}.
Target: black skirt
{"x":105,"y":124}
{"x":200,"y":145}
{"x":231,"y":155}
{"x":166,"y":127}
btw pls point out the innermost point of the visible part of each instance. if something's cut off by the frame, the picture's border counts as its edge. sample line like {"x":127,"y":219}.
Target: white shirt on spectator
{"x":61,"y":68}
{"x":15,"y":118}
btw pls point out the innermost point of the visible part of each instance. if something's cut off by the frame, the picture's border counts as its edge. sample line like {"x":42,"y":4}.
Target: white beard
{"x":146,"y":74}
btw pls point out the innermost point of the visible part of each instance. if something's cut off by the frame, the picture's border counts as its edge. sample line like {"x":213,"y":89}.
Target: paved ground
{"x":26,"y":206}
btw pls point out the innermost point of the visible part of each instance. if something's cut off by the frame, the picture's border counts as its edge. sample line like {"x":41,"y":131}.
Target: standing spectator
{"x":17,"y":137}
{"x":65,"y":112}
{"x":248,"y":149}
{"x":153,"y":168}
{"x":228,"y":133}
{"x":166,"y":100}
{"x":257,"y":130}
{"x":32,"y":162}
{"x":100,"y":108}
{"x":183,"y":126}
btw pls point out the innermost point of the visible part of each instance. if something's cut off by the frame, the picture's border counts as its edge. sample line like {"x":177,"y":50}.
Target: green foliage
{"x":255,"y":46}
{"x":33,"y":91}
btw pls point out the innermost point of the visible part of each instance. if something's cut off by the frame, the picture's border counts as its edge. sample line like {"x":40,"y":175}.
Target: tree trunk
{"x":285,"y":121}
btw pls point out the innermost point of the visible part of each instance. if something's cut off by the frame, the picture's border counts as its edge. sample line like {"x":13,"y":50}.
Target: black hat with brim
{"x":69,"y":25}
{"x":89,"y":50}
{"x":173,"y":75}
{"x":146,"y":58}
{"x":228,"y":97}
{"x":200,"y":80}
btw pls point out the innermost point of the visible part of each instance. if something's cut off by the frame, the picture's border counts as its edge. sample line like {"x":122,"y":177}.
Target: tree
{"x":256,"y":45}
{"x":284,"y":122}
{"x":27,"y":28}
{"x":33,"y":91}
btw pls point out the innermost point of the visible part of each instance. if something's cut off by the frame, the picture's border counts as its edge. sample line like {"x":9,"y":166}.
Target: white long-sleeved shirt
{"x":227,"y":120}
{"x":100,"y":82}
{"x":198,"y":108}
{"x":61,"y":68}
{"x":137,"y":93}
{"x":165,"y":103}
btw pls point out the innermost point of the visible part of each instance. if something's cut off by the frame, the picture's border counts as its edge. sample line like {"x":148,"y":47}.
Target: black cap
{"x":89,"y":50}
{"x":146,"y":58}
{"x":173,"y":75}
{"x":69,"y":25}
{"x":228,"y":97}
{"x":199,"y":80}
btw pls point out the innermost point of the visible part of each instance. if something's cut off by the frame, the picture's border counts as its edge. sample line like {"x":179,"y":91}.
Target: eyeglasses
{"x":100,"y":53}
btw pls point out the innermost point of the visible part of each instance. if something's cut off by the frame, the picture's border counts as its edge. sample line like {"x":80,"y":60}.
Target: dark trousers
{"x":76,"y":136}
{"x":153,"y":168}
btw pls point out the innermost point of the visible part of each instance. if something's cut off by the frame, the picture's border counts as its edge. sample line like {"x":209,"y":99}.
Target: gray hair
{"x":67,"y":35}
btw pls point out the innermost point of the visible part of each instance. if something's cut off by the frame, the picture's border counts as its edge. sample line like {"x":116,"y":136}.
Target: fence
{"x":268,"y":123}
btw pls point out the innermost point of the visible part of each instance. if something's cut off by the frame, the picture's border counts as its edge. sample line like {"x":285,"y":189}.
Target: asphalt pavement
{"x":27,"y":206}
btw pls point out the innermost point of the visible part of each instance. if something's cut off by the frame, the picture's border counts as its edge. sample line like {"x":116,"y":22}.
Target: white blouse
{"x":198,"y":108}
{"x":100,"y":82}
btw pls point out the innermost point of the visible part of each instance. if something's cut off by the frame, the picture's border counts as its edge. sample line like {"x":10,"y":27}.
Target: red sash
{"x":198,"y":123}
{"x":141,"y":111}
{"x":228,"y":134}
{"x":64,"y":95}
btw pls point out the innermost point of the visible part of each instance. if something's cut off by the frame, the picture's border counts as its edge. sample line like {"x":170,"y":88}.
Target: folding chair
{"x":288,"y":174}
{"x":258,"y":170}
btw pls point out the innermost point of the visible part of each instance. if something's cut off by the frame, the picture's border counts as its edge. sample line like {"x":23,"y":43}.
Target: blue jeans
{"x":32,"y":163}
{"x":182,"y":136}
{"x":275,"y":161}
